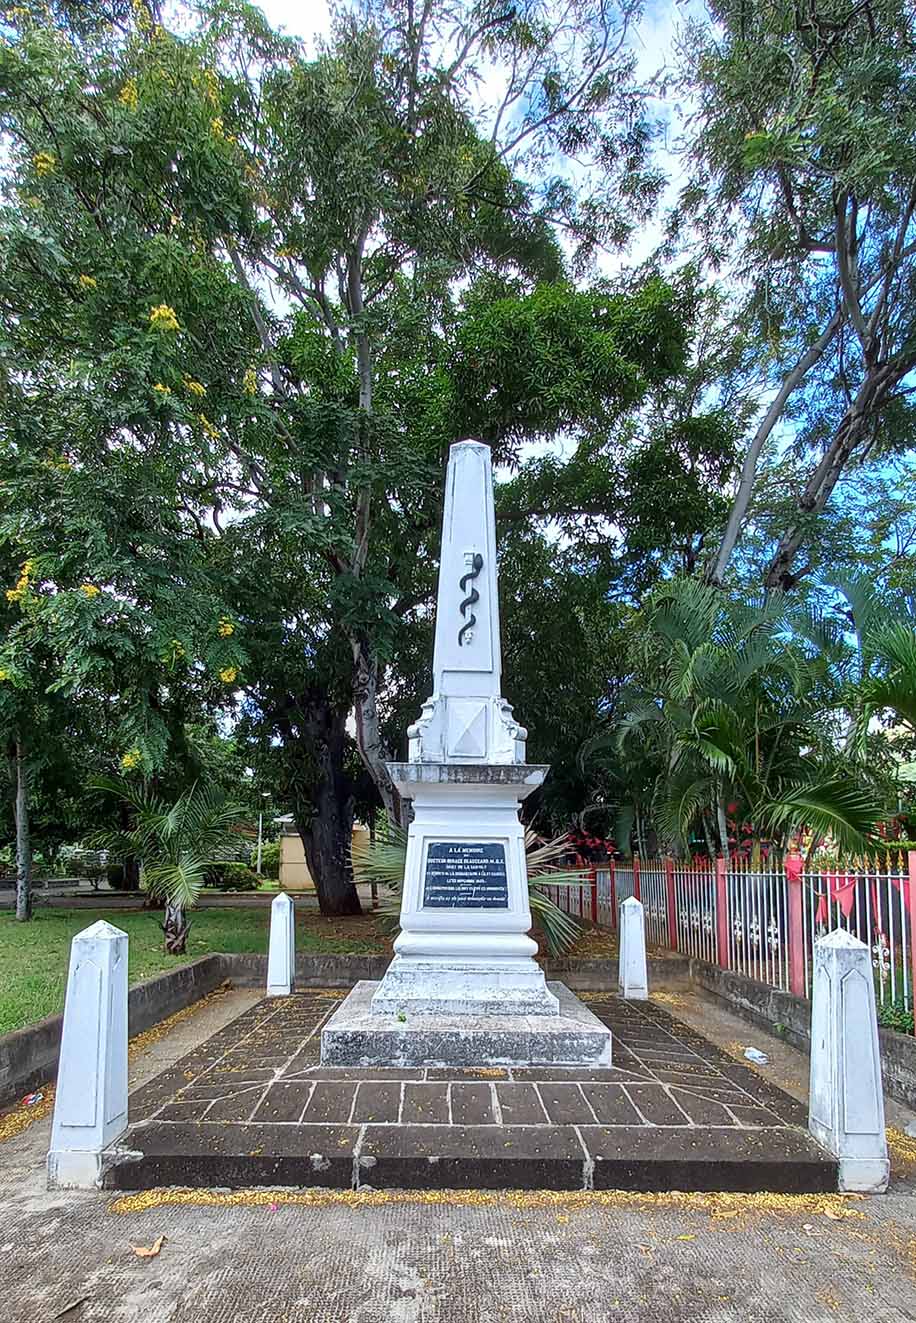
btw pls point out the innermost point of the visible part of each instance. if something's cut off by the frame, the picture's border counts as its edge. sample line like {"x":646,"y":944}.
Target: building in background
{"x":294,"y":871}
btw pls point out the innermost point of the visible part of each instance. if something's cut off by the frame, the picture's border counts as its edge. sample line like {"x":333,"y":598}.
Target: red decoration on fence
{"x":841,"y":888}
{"x":796,"y":937}
{"x":671,"y":903}
{"x":722,"y":914}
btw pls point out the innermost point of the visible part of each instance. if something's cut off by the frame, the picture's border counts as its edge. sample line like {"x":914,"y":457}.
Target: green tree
{"x":803,"y":151}
{"x":179,"y":439}
{"x":740,"y":703}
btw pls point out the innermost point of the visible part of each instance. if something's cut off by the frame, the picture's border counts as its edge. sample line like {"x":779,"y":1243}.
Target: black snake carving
{"x":472,"y":597}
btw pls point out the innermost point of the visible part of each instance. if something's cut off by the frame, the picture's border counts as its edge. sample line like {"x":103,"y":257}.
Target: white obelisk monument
{"x":464,"y":987}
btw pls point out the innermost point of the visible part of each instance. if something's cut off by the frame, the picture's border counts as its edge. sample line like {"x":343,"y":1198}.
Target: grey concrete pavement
{"x":343,"y":1257}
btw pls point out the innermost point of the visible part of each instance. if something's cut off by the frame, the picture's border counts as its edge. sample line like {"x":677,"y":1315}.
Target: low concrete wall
{"x":343,"y":971}
{"x":790,"y":1018}
{"x":312,"y":971}
{"x":28,"y":1057}
{"x":601,"y":975}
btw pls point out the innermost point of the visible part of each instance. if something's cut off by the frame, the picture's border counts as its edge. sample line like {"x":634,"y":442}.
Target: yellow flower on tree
{"x":89,"y":282}
{"x":128,"y":94}
{"x":212,"y":87}
{"x":250,"y":382}
{"x":228,"y":674}
{"x":45,"y":163}
{"x":162,"y":318}
{"x":4,"y":675}
{"x":163,"y":390}
{"x":211,"y":431}
{"x":22,"y":585}
{"x":133,"y":758}
{"x":216,"y":126}
{"x":89,"y":590}
{"x":195,"y":387}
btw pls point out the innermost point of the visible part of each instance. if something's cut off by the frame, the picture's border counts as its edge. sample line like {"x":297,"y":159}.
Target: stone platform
{"x":355,"y":1035}
{"x":253,"y":1106}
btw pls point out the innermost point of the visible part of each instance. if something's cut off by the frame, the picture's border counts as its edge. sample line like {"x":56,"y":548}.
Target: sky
{"x":652,"y":41}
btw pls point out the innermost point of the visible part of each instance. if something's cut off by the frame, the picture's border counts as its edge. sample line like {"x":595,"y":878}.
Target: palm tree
{"x":884,"y":669}
{"x":741,"y":701}
{"x":176,"y":844}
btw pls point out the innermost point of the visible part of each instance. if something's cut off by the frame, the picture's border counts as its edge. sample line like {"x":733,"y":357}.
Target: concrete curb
{"x":790,"y":1018}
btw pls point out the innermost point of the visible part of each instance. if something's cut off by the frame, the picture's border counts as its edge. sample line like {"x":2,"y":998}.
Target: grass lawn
{"x":33,"y":956}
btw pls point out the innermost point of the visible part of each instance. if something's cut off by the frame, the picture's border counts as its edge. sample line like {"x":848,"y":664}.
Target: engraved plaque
{"x":464,"y":875}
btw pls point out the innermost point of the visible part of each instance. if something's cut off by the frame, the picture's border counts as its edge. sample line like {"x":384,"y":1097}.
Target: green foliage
{"x":270,"y":859}
{"x":894,"y":1015}
{"x":803,"y":150}
{"x":557,"y":358}
{"x":176,"y":842}
{"x":232,"y":876}
{"x":738,"y":703}
{"x":230,"y":501}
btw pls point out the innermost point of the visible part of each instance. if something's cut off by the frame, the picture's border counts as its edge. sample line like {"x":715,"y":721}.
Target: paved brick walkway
{"x":252,"y":1105}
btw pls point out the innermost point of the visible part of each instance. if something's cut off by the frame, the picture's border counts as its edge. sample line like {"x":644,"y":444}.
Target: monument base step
{"x":253,"y":1106}
{"x":357,"y":1035}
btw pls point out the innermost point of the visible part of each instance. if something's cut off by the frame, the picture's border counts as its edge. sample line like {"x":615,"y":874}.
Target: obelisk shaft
{"x":466,"y":659}
{"x":466,"y":720}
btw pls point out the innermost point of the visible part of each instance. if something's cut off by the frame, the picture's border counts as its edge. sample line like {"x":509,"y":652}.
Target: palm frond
{"x":381,"y":860}
{"x":176,"y":843}
{"x":836,"y":807}
{"x":561,"y":931}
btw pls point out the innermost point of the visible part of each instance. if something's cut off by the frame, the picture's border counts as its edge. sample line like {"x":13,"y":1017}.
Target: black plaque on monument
{"x":462,"y":875}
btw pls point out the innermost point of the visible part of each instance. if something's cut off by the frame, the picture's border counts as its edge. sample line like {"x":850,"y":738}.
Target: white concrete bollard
{"x":632,"y":975}
{"x":846,"y":1105}
{"x":281,"y":954}
{"x":90,"y":1107}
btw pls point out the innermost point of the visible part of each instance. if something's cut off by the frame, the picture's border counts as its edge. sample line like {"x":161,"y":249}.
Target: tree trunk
{"x":176,"y":927}
{"x":742,"y":498}
{"x":871,"y":397}
{"x":23,"y":842}
{"x":368,"y":734}
{"x":324,"y":815}
{"x":723,"y":829}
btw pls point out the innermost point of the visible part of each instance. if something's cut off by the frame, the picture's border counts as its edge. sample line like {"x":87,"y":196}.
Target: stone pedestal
{"x":632,"y":973}
{"x":90,"y":1107}
{"x":846,"y":1101}
{"x":464,"y":947}
{"x":281,"y":952}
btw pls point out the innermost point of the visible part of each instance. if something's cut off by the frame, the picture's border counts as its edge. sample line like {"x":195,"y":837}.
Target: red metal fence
{"x":762,"y":920}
